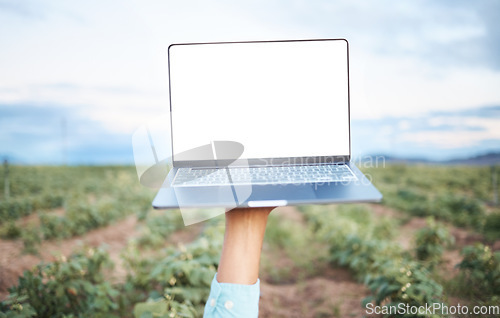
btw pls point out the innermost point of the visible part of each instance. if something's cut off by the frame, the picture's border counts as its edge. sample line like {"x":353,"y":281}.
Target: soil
{"x":334,"y":294}
{"x":328,"y":292}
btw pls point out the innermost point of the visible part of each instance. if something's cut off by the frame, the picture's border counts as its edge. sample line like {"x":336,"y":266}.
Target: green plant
{"x":14,"y":309}
{"x":183,"y":274}
{"x":165,"y":307}
{"x":73,"y":286}
{"x":464,"y":211}
{"x":54,"y":226}
{"x":480,"y":268}
{"x":157,"y":227}
{"x":492,"y":225}
{"x":10,"y":230}
{"x":431,"y":241}
{"x":403,"y":282}
{"x":31,"y":240}
{"x":188,"y":273}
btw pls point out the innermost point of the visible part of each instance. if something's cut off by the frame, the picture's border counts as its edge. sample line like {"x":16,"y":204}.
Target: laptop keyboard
{"x":263,"y":175}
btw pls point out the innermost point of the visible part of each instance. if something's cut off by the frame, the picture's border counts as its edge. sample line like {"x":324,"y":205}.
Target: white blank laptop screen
{"x":278,"y":99}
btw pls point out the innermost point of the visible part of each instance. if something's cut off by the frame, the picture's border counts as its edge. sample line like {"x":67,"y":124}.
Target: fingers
{"x":259,"y":210}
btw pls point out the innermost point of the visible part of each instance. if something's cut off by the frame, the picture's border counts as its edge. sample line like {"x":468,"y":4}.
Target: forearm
{"x":240,"y":258}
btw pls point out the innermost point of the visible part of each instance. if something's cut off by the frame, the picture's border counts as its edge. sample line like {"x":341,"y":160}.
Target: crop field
{"x":78,"y":241}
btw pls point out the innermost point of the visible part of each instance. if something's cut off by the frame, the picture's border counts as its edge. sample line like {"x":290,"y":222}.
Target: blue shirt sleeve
{"x":232,"y":300}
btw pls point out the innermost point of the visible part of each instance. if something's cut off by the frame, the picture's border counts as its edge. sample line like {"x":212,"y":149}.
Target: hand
{"x":240,"y":258}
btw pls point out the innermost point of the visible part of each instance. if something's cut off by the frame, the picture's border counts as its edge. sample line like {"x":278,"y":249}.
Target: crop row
{"x":101,"y":196}
{"x":363,"y":243}
{"x":471,"y":181}
{"x":33,"y":189}
{"x":458,"y":195}
{"x":391,"y":274}
{"x":175,"y":281}
{"x":13,"y":209}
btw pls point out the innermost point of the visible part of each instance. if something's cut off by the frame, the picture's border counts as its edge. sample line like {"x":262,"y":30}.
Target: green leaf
{"x":151,"y":308}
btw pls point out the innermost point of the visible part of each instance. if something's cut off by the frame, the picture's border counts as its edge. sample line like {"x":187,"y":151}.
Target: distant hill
{"x":488,"y":159}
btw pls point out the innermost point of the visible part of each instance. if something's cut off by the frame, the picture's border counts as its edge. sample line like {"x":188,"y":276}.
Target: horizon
{"x":359,"y":160}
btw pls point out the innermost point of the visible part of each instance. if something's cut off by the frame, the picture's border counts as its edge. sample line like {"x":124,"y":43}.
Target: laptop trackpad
{"x":279,"y":195}
{"x":251,"y":195}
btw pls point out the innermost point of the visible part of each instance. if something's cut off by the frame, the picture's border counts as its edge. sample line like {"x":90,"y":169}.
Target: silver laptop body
{"x":261,"y":123}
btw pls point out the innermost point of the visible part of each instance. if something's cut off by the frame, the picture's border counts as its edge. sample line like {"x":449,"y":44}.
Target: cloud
{"x":54,"y":134}
{"x":490,"y":14}
{"x":121,"y":108}
{"x":481,"y":112}
{"x":433,"y":135}
{"x":25,"y":9}
{"x":444,"y":33}
{"x":406,"y":57}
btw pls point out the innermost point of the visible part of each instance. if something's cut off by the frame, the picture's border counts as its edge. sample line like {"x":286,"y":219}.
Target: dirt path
{"x":334,"y":294}
{"x":331,"y":292}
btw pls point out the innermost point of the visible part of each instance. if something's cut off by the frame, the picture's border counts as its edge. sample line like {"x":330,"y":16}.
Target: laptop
{"x":261,"y":124}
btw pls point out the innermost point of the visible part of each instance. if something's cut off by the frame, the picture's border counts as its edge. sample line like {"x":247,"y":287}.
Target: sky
{"x":77,"y":79}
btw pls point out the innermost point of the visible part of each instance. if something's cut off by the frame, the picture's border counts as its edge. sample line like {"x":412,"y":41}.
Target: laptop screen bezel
{"x":262,"y":161}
